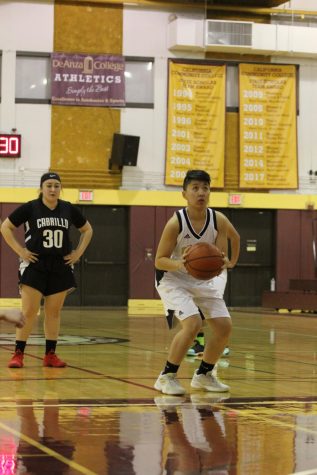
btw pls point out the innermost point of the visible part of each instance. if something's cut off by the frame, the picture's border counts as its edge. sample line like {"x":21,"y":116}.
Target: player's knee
{"x":192,"y":328}
{"x":53,"y":315}
{"x":227,"y":328}
{"x":223,"y":331}
{"x":30,"y":313}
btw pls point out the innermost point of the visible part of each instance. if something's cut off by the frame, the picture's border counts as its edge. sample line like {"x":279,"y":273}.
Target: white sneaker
{"x":169,"y":384}
{"x":169,"y":402}
{"x":206,"y":399}
{"x":209,"y":382}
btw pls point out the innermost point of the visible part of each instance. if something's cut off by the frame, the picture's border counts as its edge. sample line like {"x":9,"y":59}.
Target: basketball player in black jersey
{"x":46,"y":262}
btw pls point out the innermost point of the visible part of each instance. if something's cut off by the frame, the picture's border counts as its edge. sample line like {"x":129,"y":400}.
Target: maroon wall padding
{"x":9,"y":261}
{"x":290,"y":300}
{"x":162,"y":215}
{"x":141,"y":252}
{"x":294,"y":246}
{"x":308,"y":231}
{"x":288,"y":248}
{"x":146,"y":226}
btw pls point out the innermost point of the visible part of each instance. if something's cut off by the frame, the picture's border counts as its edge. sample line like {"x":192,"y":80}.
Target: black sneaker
{"x":196,"y":350}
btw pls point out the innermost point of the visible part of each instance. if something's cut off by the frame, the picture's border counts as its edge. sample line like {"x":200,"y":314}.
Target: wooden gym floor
{"x":101,"y":415}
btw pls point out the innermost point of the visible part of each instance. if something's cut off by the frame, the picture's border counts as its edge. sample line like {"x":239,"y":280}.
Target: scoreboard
{"x":10,"y":146}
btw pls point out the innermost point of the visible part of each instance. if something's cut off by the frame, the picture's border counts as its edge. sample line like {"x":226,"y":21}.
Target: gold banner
{"x":268,"y":131}
{"x":196,"y":122}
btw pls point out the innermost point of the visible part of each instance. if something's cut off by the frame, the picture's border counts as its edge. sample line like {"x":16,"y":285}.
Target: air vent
{"x":228,"y":33}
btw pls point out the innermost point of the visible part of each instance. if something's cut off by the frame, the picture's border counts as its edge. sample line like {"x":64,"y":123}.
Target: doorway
{"x":102,"y":273}
{"x":256,"y":265}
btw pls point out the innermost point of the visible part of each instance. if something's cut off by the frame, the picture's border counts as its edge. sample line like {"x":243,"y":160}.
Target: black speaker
{"x":124,"y":150}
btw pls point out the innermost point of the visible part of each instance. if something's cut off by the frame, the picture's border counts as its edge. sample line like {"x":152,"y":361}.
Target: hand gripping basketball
{"x":204,"y":261}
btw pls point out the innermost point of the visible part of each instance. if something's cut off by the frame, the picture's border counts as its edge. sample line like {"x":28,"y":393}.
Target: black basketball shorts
{"x":46,"y":281}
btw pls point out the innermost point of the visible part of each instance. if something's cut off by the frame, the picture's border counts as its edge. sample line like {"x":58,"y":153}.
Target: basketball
{"x":204,"y":261}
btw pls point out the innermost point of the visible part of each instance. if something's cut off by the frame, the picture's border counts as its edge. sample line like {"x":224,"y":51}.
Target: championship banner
{"x":268,"y":129}
{"x":196,"y":122}
{"x":88,"y":80}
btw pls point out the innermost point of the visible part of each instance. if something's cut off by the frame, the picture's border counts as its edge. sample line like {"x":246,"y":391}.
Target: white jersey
{"x":188,"y":236}
{"x":182,"y":294}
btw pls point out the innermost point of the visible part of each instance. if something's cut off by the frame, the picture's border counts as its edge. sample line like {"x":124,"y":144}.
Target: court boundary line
{"x":46,"y":450}
{"x":111,"y":402}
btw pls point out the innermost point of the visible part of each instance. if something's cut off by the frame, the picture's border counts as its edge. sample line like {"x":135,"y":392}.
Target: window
{"x":33,"y":80}
{"x":232,"y":87}
{"x":139,"y":71}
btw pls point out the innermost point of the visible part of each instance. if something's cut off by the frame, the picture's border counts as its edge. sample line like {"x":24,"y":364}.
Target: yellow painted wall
{"x":167,"y":198}
{"x":82,"y":136}
{"x":232,"y":151}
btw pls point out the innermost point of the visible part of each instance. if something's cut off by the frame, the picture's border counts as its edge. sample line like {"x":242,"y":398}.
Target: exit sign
{"x":235,"y":199}
{"x":86,"y":195}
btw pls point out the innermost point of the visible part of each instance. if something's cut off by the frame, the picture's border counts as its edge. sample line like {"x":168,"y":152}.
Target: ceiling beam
{"x":195,"y":5}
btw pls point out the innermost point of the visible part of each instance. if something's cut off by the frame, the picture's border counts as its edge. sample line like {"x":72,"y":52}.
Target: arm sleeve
{"x":20,"y":215}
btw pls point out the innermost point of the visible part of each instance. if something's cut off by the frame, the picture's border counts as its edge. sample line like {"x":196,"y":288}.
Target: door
{"x":146,"y":226}
{"x":256,"y":265}
{"x":102,"y":273}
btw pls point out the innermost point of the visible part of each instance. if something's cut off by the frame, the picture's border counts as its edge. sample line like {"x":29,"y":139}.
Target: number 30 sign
{"x":10,"y":146}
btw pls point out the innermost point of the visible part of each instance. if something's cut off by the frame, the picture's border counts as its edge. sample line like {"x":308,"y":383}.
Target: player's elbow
{"x":236,"y":237}
{"x":158,"y":263}
{"x":4,"y":228}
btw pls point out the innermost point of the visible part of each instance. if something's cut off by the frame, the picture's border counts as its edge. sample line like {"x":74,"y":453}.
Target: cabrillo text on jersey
{"x":59,"y":222}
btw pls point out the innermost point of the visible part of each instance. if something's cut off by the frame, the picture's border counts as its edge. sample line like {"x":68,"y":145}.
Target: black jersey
{"x":47,"y":231}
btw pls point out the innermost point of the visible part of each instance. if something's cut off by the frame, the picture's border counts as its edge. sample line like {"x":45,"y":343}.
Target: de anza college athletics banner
{"x":196,"y":121}
{"x":88,"y":80}
{"x":268,"y":129}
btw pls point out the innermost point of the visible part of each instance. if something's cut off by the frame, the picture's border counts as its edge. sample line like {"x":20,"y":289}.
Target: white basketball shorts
{"x":184,"y":296}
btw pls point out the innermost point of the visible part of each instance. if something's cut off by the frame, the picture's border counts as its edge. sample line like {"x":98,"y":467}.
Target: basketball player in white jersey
{"x":188,"y":299}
